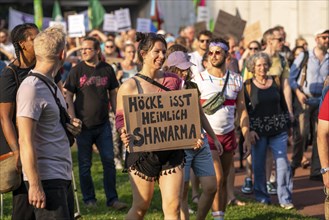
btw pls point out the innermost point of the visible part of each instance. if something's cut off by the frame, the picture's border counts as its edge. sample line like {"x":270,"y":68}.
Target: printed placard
{"x":76,"y":26}
{"x":203,"y":14}
{"x":110,"y":23}
{"x":123,"y":19}
{"x":228,"y":24}
{"x":143,"y":25}
{"x":162,"y":121}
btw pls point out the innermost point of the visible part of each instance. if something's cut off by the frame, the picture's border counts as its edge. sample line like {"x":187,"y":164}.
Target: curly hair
{"x":251,"y":62}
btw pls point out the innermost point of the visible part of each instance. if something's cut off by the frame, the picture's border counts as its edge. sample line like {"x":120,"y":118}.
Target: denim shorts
{"x":200,"y":161}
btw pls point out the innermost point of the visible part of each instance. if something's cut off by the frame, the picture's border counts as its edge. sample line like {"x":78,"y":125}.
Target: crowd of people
{"x":267,"y":96}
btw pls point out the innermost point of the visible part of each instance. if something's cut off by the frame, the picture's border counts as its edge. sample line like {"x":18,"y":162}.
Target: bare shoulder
{"x":128,"y":87}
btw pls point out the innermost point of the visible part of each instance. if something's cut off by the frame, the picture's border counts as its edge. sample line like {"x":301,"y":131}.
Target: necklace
{"x":262,"y":83}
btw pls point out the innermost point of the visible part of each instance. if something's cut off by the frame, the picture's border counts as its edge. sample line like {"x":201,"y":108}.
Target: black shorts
{"x":151,"y":165}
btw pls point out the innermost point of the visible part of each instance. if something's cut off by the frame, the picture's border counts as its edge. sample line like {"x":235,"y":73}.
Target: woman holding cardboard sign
{"x":147,"y":167}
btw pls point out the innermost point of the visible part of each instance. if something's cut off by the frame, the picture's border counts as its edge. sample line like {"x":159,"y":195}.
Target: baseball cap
{"x":321,"y":31}
{"x":180,"y":60}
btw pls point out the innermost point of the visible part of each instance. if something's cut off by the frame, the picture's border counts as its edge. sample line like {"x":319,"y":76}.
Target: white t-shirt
{"x":196,"y":59}
{"x":222,"y":121}
{"x":35,"y":101}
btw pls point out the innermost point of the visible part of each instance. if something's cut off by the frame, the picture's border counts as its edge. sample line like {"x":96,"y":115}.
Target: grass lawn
{"x":251,"y":211}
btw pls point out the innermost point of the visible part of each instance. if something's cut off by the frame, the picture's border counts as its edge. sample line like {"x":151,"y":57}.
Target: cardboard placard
{"x":143,"y":25}
{"x":122,"y":17}
{"x":200,"y":26}
{"x":110,"y":23}
{"x":162,"y":121}
{"x":228,"y":24}
{"x":252,"y":32}
{"x":76,"y":26}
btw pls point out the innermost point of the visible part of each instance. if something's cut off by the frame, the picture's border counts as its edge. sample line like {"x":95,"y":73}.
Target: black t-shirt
{"x":266,"y":113}
{"x":8,"y":89}
{"x":91,"y":86}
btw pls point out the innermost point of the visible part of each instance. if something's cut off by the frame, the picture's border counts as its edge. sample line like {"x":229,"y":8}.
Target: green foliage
{"x":252,"y":211}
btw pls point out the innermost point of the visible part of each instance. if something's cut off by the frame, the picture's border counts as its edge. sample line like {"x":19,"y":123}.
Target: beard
{"x":218,"y":64}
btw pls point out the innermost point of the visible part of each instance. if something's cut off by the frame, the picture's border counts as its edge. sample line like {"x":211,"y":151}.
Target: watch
{"x":324,"y":170}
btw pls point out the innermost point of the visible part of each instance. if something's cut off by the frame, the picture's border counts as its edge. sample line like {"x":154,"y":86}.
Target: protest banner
{"x":76,"y":26}
{"x":228,"y":24}
{"x":110,"y":23}
{"x":162,"y":121}
{"x":252,"y":32}
{"x":122,"y":17}
{"x":143,"y":25}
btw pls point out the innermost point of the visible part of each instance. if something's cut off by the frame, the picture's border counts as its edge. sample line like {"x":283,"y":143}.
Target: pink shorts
{"x":228,"y":141}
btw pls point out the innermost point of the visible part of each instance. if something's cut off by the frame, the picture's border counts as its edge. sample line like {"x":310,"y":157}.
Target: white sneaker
{"x":287,"y":206}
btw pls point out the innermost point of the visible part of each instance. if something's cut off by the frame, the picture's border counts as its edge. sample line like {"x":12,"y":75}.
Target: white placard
{"x":123,"y":19}
{"x":203,"y":14}
{"x":143,"y":25}
{"x":76,"y":27}
{"x":110,"y":23}
{"x":58,"y":23}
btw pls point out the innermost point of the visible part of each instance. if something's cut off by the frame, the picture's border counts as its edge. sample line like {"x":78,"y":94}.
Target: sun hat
{"x":180,"y":60}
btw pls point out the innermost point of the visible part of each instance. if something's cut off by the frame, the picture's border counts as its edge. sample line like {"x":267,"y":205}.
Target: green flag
{"x":38,"y":15}
{"x":96,"y":13}
{"x":57,"y":13}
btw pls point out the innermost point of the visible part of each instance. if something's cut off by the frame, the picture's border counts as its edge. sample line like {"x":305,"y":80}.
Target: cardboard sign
{"x":143,"y":25}
{"x":122,"y":17}
{"x":162,"y":121}
{"x":76,"y":26}
{"x":252,"y":32}
{"x":200,"y":26}
{"x":110,"y":23}
{"x":228,"y":24}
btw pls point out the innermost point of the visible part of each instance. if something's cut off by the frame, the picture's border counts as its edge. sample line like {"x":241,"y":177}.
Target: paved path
{"x":308,"y":195}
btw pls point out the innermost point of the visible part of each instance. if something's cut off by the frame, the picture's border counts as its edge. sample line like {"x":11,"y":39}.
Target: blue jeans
{"x":102,"y":137}
{"x":278,"y":145}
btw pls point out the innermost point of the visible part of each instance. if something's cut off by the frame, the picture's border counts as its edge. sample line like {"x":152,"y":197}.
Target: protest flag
{"x":96,"y":13}
{"x":57,"y":13}
{"x":38,"y":14}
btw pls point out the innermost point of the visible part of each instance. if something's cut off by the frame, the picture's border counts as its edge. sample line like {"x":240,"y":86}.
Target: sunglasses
{"x":253,"y":48}
{"x":217,"y":52}
{"x":279,"y":39}
{"x":109,"y":46}
{"x":324,"y":37}
{"x":202,"y":41}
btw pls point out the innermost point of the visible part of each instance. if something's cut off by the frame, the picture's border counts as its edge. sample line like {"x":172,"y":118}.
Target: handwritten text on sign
{"x":163,"y":121}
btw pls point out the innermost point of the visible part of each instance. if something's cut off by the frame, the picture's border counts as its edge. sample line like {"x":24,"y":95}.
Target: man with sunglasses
{"x":203,"y":39}
{"x":218,"y":79}
{"x":307,"y":87}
